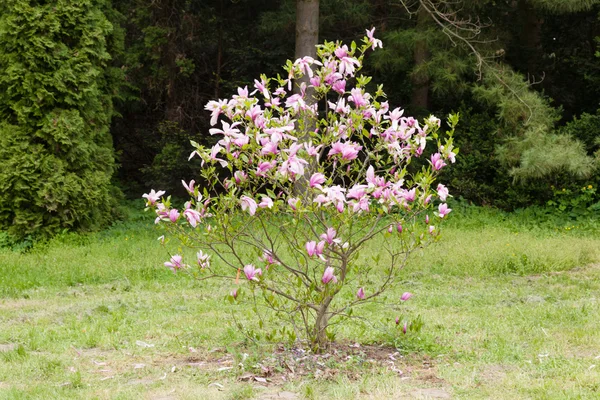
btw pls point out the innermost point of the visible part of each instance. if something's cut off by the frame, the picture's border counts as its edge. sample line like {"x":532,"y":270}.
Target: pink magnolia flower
{"x":175,"y":263}
{"x":361,"y":205}
{"x":242,"y":93}
{"x":433,"y":121}
{"x":305,"y":63}
{"x":373,"y":180}
{"x":442,"y":192}
{"x":346,"y":66}
{"x":431,"y":229}
{"x":339,"y":86}
{"x":443,"y":210}
{"x":357,"y":191}
{"x":161,"y":213}
{"x":315,"y":81}
{"x":316,"y":180}
{"x":153,"y":196}
{"x":266,"y":202}
{"x":240,"y":140}
{"x":234,"y":294}
{"x":410,"y":195}
{"x":391,"y":228}
{"x":340,"y":107}
{"x":189,"y":187}
{"x":332,"y":75}
{"x":399,"y":228}
{"x":263,"y":167}
{"x":374,"y":42}
{"x":320,"y":248}
{"x":360,"y":294}
{"x":437,"y":162}
{"x":269,"y":148}
{"x":427,"y":219}
{"x":275,"y":102}
{"x":328,"y":276}
{"x":203,"y":259}
{"x":405,"y":328}
{"x":254,"y":112}
{"x":294,"y":149}
{"x":311,"y":150}
{"x":173,"y":215}
{"x":452,"y":157}
{"x":293,"y":165}
{"x":405,"y":296}
{"x":252,"y":273}
{"x":268,"y":258}
{"x":311,"y":248}
{"x":216,"y":108}
{"x":228,"y":130}
{"x":348,"y":150}
{"x":315,"y":249}
{"x":395,"y":115}
{"x":357,"y":97}
{"x":261,"y":87}
{"x":193,"y":217}
{"x":329,"y":236}
{"x":240,"y":177}
{"x":296,"y":102}
{"x":294,"y":202}
{"x":248,"y":203}
{"x":214,"y":151}
{"x":422,"y":142}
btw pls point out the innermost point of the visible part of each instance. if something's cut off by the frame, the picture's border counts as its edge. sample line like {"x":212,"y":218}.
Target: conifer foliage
{"x":56,"y":94}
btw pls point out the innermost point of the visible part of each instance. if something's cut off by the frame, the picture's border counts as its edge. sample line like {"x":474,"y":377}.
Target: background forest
{"x":99,"y":99}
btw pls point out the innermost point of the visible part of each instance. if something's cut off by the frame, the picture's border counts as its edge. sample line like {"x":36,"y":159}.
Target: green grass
{"x":511,"y":310}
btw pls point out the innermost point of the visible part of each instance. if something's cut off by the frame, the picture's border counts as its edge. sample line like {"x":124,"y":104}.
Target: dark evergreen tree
{"x":56,"y":104}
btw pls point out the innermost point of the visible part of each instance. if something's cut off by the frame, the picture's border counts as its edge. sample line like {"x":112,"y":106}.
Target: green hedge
{"x":56,"y":104}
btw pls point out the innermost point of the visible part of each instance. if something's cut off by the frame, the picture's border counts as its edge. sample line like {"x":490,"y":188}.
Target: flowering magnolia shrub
{"x":298,"y":183}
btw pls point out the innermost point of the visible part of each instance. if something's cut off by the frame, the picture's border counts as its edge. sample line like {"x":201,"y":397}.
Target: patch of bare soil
{"x":5,"y":347}
{"x":289,"y":364}
{"x":430,"y":393}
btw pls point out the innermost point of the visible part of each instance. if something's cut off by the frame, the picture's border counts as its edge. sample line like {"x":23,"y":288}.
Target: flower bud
{"x":405,"y":296}
{"x":360,"y":294}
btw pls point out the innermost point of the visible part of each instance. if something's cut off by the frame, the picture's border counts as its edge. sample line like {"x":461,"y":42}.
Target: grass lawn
{"x":511,"y":310}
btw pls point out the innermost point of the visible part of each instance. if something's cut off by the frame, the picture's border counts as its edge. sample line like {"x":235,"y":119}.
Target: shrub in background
{"x":56,"y":93}
{"x":298,"y":184}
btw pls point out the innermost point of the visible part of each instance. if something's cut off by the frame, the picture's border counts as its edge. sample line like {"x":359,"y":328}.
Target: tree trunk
{"x":307,"y":33}
{"x":319,"y":337}
{"x":307,"y":38}
{"x":530,"y":36}
{"x":420,"y":78}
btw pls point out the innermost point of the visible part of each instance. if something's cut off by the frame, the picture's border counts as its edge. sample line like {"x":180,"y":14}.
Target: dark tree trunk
{"x":530,"y":36}
{"x":307,"y":32}
{"x":307,"y":38}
